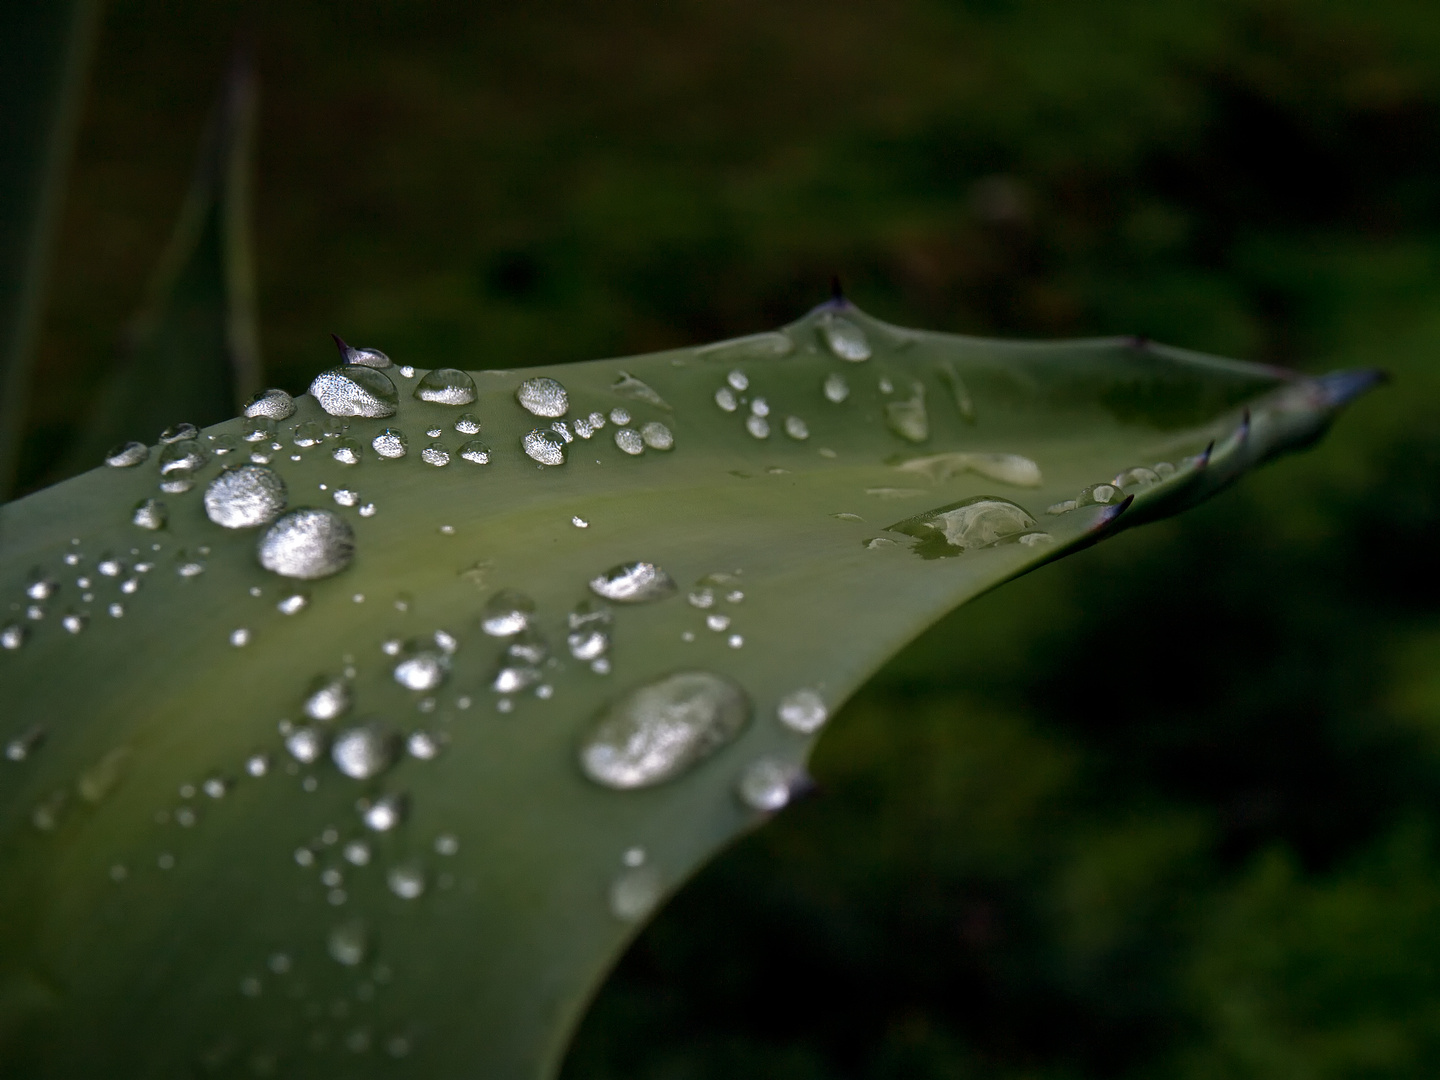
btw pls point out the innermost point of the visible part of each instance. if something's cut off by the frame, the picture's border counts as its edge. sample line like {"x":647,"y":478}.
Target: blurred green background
{"x":1167,"y":809}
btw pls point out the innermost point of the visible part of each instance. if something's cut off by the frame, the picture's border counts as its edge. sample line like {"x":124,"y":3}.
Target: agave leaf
{"x":44,"y":51}
{"x":191,"y":354}
{"x":186,"y":913}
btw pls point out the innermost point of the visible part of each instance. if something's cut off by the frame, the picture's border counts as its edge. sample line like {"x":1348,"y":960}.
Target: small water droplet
{"x":629,"y":440}
{"x":475,"y":452}
{"x":26,"y":743}
{"x":738,"y":380}
{"x":178,"y":433}
{"x":1164,"y":470}
{"x":628,"y":386}
{"x":579,"y":522}
{"x":372,"y":358}
{"x":364,"y":752}
{"x":657,"y":436}
{"x":765,"y":785}
{"x":836,"y":388}
{"x":279,"y":963}
{"x":75,"y":622}
{"x":357,"y":853}
{"x":355,"y":390}
{"x":1035,"y":539}
{"x":633,"y":583}
{"x":435,"y":454}
{"x":512,"y":678}
{"x":981,"y":522}
{"x":407,"y":880}
{"x":758,"y":426}
{"x":725,"y":398}
{"x":803,"y":711}
{"x":116,"y":611}
{"x":304,"y":857}
{"x":660,"y":730}
{"x":184,"y":456}
{"x":506,"y":613}
{"x":423,"y":671}
{"x":467,"y":424}
{"x":446,"y":386}
{"x":1101,"y":494}
{"x":1136,"y":477}
{"x":542,"y":397}
{"x":796,"y":428}
{"x":307,"y":435}
{"x":13,"y":636}
{"x":367,"y":510}
{"x":717,"y":622}
{"x":328,"y":698}
{"x":634,"y":893}
{"x":735,"y":641}
{"x":307,"y":544}
{"x":260,"y":429}
{"x":390,"y":443}
{"x":244,"y":496}
{"x":306,"y":744}
{"x":385,"y":813}
{"x":422,"y":746}
{"x":545,"y":447}
{"x":257,"y":765}
{"x":446,"y":844}
{"x":240,"y":637}
{"x":908,"y":418}
{"x":843,"y":338}
{"x":178,"y":482}
{"x":1004,"y":468}
{"x":272,"y":404}
{"x":349,"y":943}
{"x":127,"y":455}
{"x":347,"y":452}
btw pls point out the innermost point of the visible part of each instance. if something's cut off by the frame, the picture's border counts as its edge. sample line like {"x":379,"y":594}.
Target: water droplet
{"x":224,"y":444}
{"x":475,"y":452}
{"x":187,"y":455}
{"x":843,"y":338}
{"x":1164,"y":470}
{"x":306,"y":744}
{"x":357,"y":853}
{"x":735,"y":641}
{"x":1102,"y":494}
{"x":446,"y":844}
{"x":271,"y":404}
{"x":41,"y":587}
{"x":178,"y":482}
{"x":770,"y":345}
{"x":390,"y":443}
{"x":422,"y":746}
{"x":1035,"y":539}
{"x":629,"y":440}
{"x":725,"y":398}
{"x":467,"y":424}
{"x":385,"y":813}
{"x":588,"y":644}
{"x":116,"y":611}
{"x":628,"y":386}
{"x":13,"y":636}
{"x":633,"y":583}
{"x":542,"y":397}
{"x":307,"y":434}
{"x":562,"y":429}
{"x":307,"y":544}
{"x":760,"y":407}
{"x":355,"y":390}
{"x":717,"y":622}
{"x":1003,"y":468}
{"x":545,"y":447}
{"x":579,"y":522}
{"x":765,"y":785}
{"x":368,"y":510}
{"x":244,"y":496}
{"x":884,"y":385}
{"x":758,"y":426}
{"x":660,"y":730}
{"x":328,"y":698}
{"x":446,"y":386}
{"x":279,"y":963}
{"x":980,"y":522}
{"x":506,"y":613}
{"x":26,"y":743}
{"x":422,"y":671}
{"x":345,"y":496}
{"x":240,"y":638}
{"x":75,"y":622}
{"x":406,"y":880}
{"x":435,"y":454}
{"x":364,"y":752}
{"x":260,"y":429}
{"x":803,"y":711}
{"x":1136,"y":477}
{"x":634,"y":893}
{"x":836,"y":388}
{"x":216,"y":787}
{"x":257,"y":765}
{"x":657,"y":436}
{"x":179,"y":433}
{"x":527,"y":647}
{"x":908,"y":418}
{"x":512,"y":678}
{"x":349,"y":943}
{"x":126,"y":455}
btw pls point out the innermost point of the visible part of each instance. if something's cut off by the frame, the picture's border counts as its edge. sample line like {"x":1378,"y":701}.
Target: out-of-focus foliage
{"x":1118,"y":819}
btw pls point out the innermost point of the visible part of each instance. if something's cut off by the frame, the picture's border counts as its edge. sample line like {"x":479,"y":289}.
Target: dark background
{"x":1167,"y":809}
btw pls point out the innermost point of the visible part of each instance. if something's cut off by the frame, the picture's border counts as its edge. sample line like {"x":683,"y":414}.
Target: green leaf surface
{"x":191,"y":354}
{"x":831,"y":489}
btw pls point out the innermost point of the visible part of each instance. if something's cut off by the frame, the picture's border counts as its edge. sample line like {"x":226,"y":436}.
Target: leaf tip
{"x":1339,"y":388}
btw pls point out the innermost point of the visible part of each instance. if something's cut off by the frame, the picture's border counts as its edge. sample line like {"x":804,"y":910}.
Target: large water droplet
{"x":150,"y":514}
{"x":545,"y":447}
{"x":908,"y":418}
{"x":349,"y":943}
{"x":446,"y":386}
{"x":186,"y":454}
{"x":633,"y":583}
{"x":542,"y":397}
{"x":126,"y":455}
{"x":273,"y":404}
{"x":657,"y":436}
{"x":1136,"y":477}
{"x":355,"y":390}
{"x":980,"y":522}
{"x":629,"y":440}
{"x":843,"y":338}
{"x":244,"y":496}
{"x":507,"y":613}
{"x":364,"y":752}
{"x":390,"y":443}
{"x":658,"y":731}
{"x":371,"y":358}
{"x":758,"y":426}
{"x":803,"y":711}
{"x":307,"y":544}
{"x":628,"y":386}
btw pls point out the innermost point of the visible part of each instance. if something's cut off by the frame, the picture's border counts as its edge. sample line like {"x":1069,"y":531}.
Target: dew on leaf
{"x":345,"y":496}
{"x":908,"y":418}
{"x":26,"y":743}
{"x":981,"y":522}
{"x":628,"y":386}
{"x":758,"y":426}
{"x":75,"y":622}
{"x":349,"y":943}
{"x":244,"y":496}
{"x":725,"y":398}
{"x":634,"y":893}
{"x":355,"y":390}
{"x":843,"y":338}
{"x":765,"y":785}
{"x":657,"y":436}
{"x":126,"y":455}
{"x":629,"y":440}
{"x":435,"y":454}
{"x":662,"y":729}
{"x":328,"y":698}
{"x":467,"y":424}
{"x":407,"y":880}
{"x":796,"y":428}
{"x":240,"y":637}
{"x":633,"y":583}
{"x":1003,"y":468}
{"x":475,"y":452}
{"x":512,"y":678}
{"x":272,"y":404}
{"x":363,"y":752}
{"x":422,"y":746}
{"x":13,"y":636}
{"x":446,"y":386}
{"x":803,"y":711}
{"x":260,"y":429}
{"x":1136,"y":477}
{"x":506,"y":613}
{"x":347,"y":452}
{"x":307,"y":544}
{"x":385,"y":813}
{"x":306,"y":744}
{"x":542,"y":397}
{"x":257,"y":765}
{"x":390,"y":443}
{"x":422,"y":671}
{"x":356,"y":853}
{"x":307,"y":435}
{"x":836,"y":388}
{"x":187,"y":455}
{"x":179,"y":433}
{"x":545,"y":447}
